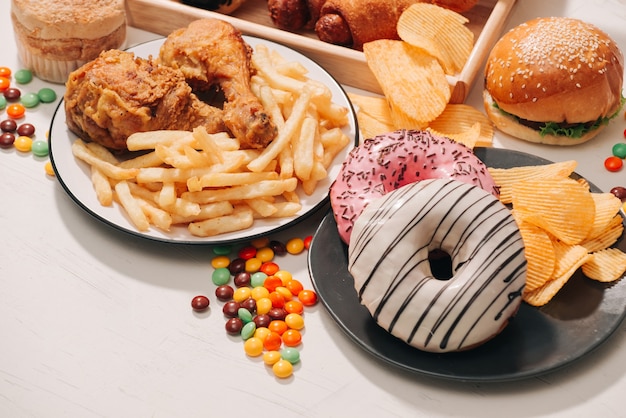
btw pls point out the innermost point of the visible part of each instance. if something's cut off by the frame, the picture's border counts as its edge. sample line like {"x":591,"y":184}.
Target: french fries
{"x":206,"y":182}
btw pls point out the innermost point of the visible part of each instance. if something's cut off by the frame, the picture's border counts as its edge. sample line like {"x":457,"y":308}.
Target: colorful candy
{"x":613,"y":163}
{"x":619,"y":150}
{"x":24,"y":76}
{"x":264,"y":305}
{"x":200,"y":303}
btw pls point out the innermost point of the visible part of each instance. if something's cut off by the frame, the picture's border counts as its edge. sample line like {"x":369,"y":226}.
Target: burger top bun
{"x":554,"y":69}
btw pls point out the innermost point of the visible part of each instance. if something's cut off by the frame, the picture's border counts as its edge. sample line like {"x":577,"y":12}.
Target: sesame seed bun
{"x":558,"y":70}
{"x":54,"y":37}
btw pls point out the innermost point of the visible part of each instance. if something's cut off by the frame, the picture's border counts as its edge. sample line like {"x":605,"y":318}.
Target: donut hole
{"x":440,"y":264}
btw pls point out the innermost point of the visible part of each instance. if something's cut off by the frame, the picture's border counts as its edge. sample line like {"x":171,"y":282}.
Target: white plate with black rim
{"x":75,"y":179}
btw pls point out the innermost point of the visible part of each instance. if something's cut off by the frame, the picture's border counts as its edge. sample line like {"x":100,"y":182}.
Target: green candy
{"x":222,"y":250}
{"x":248,"y":330}
{"x":23,"y":76}
{"x":30,"y":100}
{"x":619,"y":150}
{"x":257,"y":279}
{"x":220,"y":276}
{"x":290,"y":354}
{"x":47,"y":95}
{"x":245,"y":315}
{"x":40,"y":148}
{"x":3,"y":102}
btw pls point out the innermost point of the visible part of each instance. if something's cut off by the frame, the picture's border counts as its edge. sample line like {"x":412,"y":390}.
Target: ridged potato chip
{"x":370,"y":126}
{"x":607,"y":205}
{"x":540,"y":255}
{"x":606,"y":265}
{"x":459,"y":118}
{"x":506,"y":177}
{"x":468,"y":137}
{"x":563,"y":207}
{"x":412,"y":81}
{"x":568,"y":259}
{"x":441,"y":32}
{"x":606,"y":238}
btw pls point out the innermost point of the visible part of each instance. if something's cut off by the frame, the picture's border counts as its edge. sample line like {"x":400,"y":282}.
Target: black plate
{"x":575,"y":322}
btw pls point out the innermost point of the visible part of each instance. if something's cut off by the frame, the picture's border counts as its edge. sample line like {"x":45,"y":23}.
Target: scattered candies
{"x":262,"y":304}
{"x":15,"y":102}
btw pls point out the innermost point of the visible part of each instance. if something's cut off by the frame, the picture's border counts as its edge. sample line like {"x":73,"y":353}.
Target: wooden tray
{"x":348,"y":66}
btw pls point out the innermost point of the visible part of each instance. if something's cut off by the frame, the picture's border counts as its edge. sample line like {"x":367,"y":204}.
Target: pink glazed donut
{"x":389,"y":161}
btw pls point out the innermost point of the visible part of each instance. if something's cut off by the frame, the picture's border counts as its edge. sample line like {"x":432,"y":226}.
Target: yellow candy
{"x":284,"y":276}
{"x":241,"y":294}
{"x":259,"y":292}
{"x":265,"y":254}
{"x":23,"y":143}
{"x":282,"y":369}
{"x":295,"y":246}
{"x":220,"y":261}
{"x":294,"y":321}
{"x":48,"y":168}
{"x":253,"y":346}
{"x":253,"y":265}
{"x":263,"y":306}
{"x":285,"y":292}
{"x":271,"y":357}
{"x":261,"y":333}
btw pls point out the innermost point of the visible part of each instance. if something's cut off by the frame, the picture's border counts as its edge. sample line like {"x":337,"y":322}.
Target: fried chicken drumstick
{"x":117,"y":94}
{"x":210,"y":53}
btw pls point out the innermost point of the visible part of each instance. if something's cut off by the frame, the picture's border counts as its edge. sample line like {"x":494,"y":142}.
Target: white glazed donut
{"x":389,"y":260}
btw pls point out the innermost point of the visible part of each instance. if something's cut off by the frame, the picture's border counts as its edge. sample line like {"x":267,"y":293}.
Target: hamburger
{"x":554,"y":81}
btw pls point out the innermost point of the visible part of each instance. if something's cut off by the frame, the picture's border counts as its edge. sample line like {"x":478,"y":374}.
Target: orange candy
{"x":292,"y":337}
{"x":16,"y":110}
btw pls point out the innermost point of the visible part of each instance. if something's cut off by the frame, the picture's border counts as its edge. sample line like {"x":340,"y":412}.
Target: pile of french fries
{"x":206,"y":181}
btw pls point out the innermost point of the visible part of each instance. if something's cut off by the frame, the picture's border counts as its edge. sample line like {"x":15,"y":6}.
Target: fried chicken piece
{"x":211,"y":52}
{"x":117,"y":94}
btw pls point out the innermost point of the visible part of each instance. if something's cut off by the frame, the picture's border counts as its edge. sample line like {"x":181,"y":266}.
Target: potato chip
{"x":506,"y":177}
{"x":606,"y":265}
{"x":540,"y":255}
{"x":607,"y":237}
{"x":562,"y":207}
{"x":439,"y":31}
{"x":469,"y":137}
{"x":413,"y":82}
{"x":458,"y":118}
{"x":369,"y":127}
{"x":568,"y":259}
{"x":607,"y":205}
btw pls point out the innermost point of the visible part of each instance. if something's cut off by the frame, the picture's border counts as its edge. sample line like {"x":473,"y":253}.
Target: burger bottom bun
{"x":509,"y":125}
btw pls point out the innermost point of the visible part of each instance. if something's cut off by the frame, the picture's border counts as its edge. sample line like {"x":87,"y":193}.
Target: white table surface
{"x":97,"y":323}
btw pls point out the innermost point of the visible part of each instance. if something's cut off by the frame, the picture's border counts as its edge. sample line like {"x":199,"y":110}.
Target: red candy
{"x":247,"y":253}
{"x":613,"y":163}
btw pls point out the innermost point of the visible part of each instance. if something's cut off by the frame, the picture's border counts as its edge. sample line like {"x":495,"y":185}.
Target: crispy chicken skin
{"x":117,"y":94}
{"x":211,"y":52}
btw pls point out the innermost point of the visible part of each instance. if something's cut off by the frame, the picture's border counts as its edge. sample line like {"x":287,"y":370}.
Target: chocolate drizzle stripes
{"x":399,"y":290}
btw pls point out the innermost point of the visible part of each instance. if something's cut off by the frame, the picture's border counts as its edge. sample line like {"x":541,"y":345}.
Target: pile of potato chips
{"x":413,"y":75}
{"x":564,"y":227}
